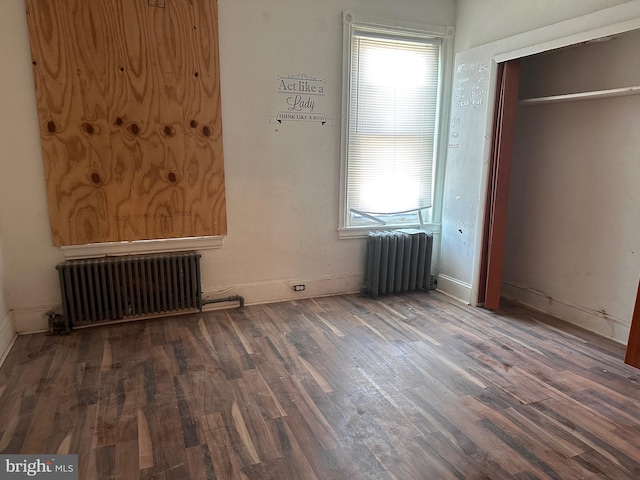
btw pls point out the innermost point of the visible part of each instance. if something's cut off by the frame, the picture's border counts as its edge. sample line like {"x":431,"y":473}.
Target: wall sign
{"x":302,"y":97}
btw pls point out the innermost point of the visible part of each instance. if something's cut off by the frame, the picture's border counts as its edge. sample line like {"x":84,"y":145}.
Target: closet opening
{"x":561,"y":229}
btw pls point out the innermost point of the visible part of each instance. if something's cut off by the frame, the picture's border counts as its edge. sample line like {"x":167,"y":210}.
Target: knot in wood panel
{"x":88,"y":128}
{"x":169,"y":131}
{"x":134,"y":128}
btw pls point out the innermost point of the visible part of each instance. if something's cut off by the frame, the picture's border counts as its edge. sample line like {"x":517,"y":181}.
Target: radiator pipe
{"x":234,"y":298}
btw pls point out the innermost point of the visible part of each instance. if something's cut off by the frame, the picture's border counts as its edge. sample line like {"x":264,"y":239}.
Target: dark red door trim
{"x":498,"y":187}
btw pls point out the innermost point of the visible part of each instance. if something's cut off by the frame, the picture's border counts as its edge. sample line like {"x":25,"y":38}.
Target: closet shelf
{"x":576,"y":97}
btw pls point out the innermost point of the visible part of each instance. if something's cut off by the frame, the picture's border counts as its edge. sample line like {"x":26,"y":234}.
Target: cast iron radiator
{"x":114,"y":288}
{"x":397,"y":261}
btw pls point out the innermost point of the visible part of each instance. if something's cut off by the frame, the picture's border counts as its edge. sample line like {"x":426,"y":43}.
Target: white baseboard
{"x":34,"y":320}
{"x":604,"y":325}
{"x":280,"y":291}
{"x":7,"y":336}
{"x":454,"y":288}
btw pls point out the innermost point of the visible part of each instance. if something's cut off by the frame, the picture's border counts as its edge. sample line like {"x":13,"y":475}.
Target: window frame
{"x":445,"y":34}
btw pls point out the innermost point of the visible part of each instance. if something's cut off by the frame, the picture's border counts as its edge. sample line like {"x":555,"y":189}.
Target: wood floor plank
{"x":598,"y":431}
{"x":258,"y":425}
{"x":226,"y":463}
{"x":145,"y":449}
{"x":402,"y":387}
{"x":126,"y":464}
{"x":537,"y":454}
{"x":461,"y":458}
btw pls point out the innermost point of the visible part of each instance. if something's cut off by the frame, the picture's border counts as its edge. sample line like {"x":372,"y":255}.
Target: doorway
{"x":565,"y":242}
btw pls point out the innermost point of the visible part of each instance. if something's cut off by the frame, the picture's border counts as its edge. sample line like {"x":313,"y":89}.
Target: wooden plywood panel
{"x":129,"y":108}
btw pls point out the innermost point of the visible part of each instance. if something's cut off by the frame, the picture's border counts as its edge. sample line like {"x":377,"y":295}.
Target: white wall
{"x":7,"y":330}
{"x":282,"y":180}
{"x":3,"y":305}
{"x":467,"y":158}
{"x":480,"y":22}
{"x":573,"y":237}
{"x":29,"y":258}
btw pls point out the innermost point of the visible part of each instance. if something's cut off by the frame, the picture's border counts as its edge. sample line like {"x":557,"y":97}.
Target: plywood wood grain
{"x":128,"y":98}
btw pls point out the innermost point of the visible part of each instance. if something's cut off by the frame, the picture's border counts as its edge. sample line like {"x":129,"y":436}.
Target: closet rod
{"x":575,"y":97}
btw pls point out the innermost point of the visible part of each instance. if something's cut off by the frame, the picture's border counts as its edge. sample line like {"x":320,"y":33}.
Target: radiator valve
{"x":57,"y":324}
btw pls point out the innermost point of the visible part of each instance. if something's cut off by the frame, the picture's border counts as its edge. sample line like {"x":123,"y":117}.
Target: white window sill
{"x":72,"y":252}
{"x":363,"y":232}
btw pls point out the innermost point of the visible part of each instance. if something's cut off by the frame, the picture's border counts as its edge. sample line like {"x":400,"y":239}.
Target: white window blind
{"x":393,"y":105}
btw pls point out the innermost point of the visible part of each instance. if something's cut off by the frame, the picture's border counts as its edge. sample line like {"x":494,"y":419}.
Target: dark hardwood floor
{"x":415,"y":386}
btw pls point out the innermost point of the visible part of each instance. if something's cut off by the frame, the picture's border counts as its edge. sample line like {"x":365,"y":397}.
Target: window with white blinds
{"x":393,"y":102}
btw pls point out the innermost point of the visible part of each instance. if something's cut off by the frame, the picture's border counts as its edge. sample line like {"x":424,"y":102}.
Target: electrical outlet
{"x":298,"y":288}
